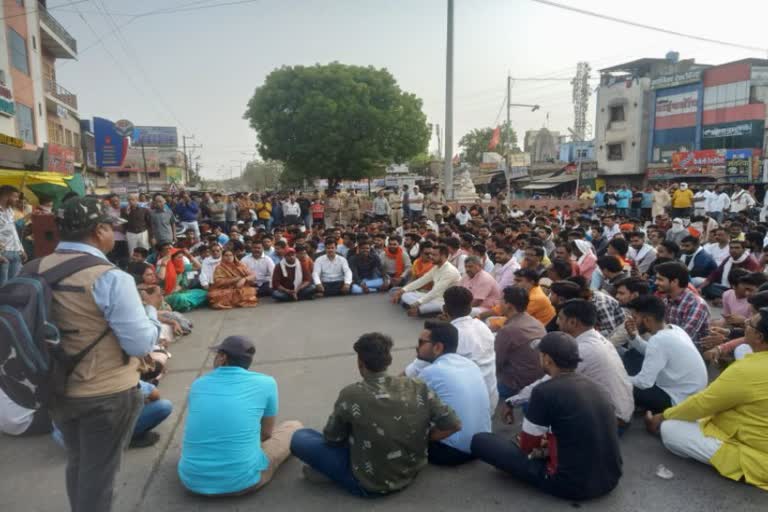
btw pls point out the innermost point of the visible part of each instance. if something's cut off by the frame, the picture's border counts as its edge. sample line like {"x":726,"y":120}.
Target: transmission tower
{"x":581,"y":93}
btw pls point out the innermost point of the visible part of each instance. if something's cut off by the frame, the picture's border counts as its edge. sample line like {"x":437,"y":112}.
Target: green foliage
{"x":475,"y":143}
{"x":262,"y":175}
{"x":336,"y":121}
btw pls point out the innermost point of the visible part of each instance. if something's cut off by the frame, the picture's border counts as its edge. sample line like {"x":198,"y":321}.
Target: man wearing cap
{"x":568,"y":446}
{"x":231,"y":443}
{"x":98,"y":406}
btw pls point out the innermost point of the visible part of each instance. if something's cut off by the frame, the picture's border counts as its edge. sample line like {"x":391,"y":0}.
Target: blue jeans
{"x":333,"y":461}
{"x":153,"y":414}
{"x":374,"y":285}
{"x":505,"y":391}
{"x":12,"y":268}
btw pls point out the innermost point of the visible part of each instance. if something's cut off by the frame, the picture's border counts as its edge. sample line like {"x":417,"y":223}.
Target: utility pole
{"x":506,"y":142}
{"x":186,"y":159}
{"x":146,"y":172}
{"x":439,"y":141}
{"x":448,"y":164}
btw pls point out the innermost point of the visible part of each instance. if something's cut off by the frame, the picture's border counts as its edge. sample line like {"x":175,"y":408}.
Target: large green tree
{"x":336,"y":121}
{"x":475,"y":143}
{"x":262,"y":175}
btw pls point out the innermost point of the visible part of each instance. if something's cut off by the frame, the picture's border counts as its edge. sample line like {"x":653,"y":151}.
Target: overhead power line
{"x":649,"y":27}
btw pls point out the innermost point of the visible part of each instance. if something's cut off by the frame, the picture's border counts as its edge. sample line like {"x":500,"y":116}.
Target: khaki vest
{"x":106,"y":369}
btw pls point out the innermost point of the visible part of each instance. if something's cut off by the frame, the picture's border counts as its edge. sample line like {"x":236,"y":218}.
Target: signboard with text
{"x":674,"y":104}
{"x":666,"y":81}
{"x":7,"y":106}
{"x":739,"y":129}
{"x":155,"y":136}
{"x":705,"y":157}
{"x":60,"y":159}
{"x":110,"y":146}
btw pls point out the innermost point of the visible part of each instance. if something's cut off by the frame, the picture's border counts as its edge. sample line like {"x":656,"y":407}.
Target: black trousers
{"x":332,"y":289}
{"x":508,"y":457}
{"x":440,"y":454}
{"x":265,"y":290}
{"x":654,"y":398}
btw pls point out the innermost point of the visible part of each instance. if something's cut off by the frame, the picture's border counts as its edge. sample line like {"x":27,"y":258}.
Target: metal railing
{"x":60,"y":93}
{"x":56,"y":27}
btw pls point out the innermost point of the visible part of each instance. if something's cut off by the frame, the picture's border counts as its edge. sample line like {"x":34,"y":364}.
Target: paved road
{"x":308,"y":348}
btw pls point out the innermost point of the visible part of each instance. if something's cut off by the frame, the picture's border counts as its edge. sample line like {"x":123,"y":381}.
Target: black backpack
{"x":33,"y":364}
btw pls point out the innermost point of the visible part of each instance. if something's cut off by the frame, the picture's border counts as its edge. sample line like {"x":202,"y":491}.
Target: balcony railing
{"x":60,"y":93}
{"x":56,"y":27}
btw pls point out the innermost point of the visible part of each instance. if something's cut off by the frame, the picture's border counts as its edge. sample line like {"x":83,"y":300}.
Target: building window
{"x":615,"y":152}
{"x":68,"y":138}
{"x":25,"y":123}
{"x":20,"y":3}
{"x":18,"y":47}
{"x":726,"y":95}
{"x":617,"y":114}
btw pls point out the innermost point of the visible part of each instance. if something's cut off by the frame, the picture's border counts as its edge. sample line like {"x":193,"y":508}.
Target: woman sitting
{"x":232,"y":284}
{"x":146,"y":278}
{"x":174,"y":272}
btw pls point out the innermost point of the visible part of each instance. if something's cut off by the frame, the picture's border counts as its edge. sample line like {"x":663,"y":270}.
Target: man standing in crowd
{"x":442,"y":276}
{"x":435,"y":201}
{"x":187,"y":211}
{"x":292,"y":211}
{"x":665,"y":369}
{"x":416,"y":203}
{"x":377,"y":438}
{"x":332,"y":209}
{"x":162,"y":225}
{"x":260,"y":266}
{"x":381,"y":208}
{"x":741,"y":200}
{"x":97,"y":408}
{"x":396,"y":208}
{"x":569,"y":446}
{"x":457,"y":381}
{"x":138,"y":223}
{"x":232,"y":444}
{"x":682,"y":201}
{"x":331,"y":274}
{"x":218,"y":211}
{"x":12,"y":254}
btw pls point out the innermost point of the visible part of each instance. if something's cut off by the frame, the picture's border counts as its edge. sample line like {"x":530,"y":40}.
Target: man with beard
{"x":700,"y":264}
{"x":684,"y":308}
{"x":367,"y":273}
{"x":443,"y":275}
{"x":717,"y":282}
{"x":262,"y":267}
{"x":641,"y":253}
{"x":290,"y":281}
{"x":395,"y":262}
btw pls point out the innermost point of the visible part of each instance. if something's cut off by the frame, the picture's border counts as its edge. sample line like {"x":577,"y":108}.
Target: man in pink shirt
{"x":485,"y":290}
{"x":506,"y":266}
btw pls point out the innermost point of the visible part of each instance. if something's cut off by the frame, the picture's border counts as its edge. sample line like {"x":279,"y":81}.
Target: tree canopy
{"x":336,"y":121}
{"x":475,"y":143}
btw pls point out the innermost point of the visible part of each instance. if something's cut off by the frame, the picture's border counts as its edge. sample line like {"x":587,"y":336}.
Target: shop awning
{"x":484,"y":179}
{"x":550,"y":182}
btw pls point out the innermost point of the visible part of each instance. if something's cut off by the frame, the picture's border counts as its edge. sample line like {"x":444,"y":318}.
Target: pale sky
{"x":196,"y":69}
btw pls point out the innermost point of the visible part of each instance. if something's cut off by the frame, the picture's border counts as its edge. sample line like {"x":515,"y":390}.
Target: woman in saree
{"x":174,"y":271}
{"x":232,"y":284}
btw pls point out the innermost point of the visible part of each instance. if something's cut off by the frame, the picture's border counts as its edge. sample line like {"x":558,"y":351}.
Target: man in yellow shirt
{"x":682,"y":201}
{"x":726,"y":424}
{"x":263,"y":209}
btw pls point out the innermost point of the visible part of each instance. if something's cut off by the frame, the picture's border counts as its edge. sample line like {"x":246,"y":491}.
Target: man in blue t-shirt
{"x":231,"y":444}
{"x":622,"y":200}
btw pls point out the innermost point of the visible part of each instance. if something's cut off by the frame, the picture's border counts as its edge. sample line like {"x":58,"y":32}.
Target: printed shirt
{"x":691,"y":313}
{"x":386,"y":421}
{"x":610,"y":314}
{"x":9,"y":237}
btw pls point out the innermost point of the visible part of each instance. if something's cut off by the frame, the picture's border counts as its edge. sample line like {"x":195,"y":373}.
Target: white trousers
{"x":685,"y":439}
{"x":191,"y":225}
{"x":137,"y":240}
{"x":430,"y":308}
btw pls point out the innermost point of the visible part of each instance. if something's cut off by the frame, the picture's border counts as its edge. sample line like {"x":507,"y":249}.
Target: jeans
{"x":333,"y":461}
{"x":264,"y":289}
{"x":718,"y":216}
{"x":307,"y":293}
{"x":96,"y":430}
{"x":441,"y":454}
{"x":152,"y":414}
{"x":374,"y":285}
{"x":508,"y":457}
{"x":505,"y":391}
{"x":193,"y":225}
{"x":10,"y":269}
{"x":332,"y":289}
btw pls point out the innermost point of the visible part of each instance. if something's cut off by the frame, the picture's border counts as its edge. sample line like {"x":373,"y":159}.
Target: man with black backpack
{"x":104,"y":327}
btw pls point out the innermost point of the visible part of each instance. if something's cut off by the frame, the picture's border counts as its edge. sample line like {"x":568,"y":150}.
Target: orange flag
{"x":495,"y":138}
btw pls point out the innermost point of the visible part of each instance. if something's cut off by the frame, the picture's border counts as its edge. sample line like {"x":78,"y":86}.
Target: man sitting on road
{"x":568,"y":447}
{"x":260,"y":266}
{"x":666,"y":369}
{"x":331,"y":275}
{"x":459,"y":383}
{"x":484,"y":288}
{"x":699,"y":262}
{"x":443,"y":275}
{"x":685,"y":309}
{"x":367,"y":272}
{"x":517,"y":364}
{"x":231,"y":444}
{"x":290,"y":280}
{"x":716,"y":283}
{"x":377,"y":438}
{"x":539,"y":306}
{"x":395,"y":261}
{"x":475,"y":341}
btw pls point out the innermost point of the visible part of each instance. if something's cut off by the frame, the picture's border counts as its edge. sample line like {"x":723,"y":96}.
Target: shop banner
{"x":60,"y":159}
{"x":706,"y":157}
{"x":727,"y":130}
{"x":134,"y":160}
{"x":667,"y":81}
{"x":674,"y":104}
{"x":155,"y":136}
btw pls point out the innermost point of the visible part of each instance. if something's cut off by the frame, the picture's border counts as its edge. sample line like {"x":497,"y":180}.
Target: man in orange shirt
{"x":539,"y":306}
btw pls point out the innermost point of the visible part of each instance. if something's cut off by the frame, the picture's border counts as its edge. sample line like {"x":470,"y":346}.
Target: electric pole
{"x":505,"y":135}
{"x":448,"y":164}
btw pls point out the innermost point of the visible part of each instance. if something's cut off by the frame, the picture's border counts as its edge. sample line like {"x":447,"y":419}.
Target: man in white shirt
{"x":641,"y":253}
{"x":262,"y":267}
{"x":719,"y":203}
{"x":443,"y":275}
{"x":292,"y":211}
{"x":11,"y":251}
{"x":209,"y":265}
{"x":599,"y":360}
{"x":331,"y":275}
{"x":381,"y":208}
{"x":416,"y":203}
{"x":476,"y":341}
{"x":610,"y":228}
{"x":666,"y":369}
{"x":720,"y":249}
{"x":463,"y":215}
{"x":516,"y":212}
{"x":741,"y":200}
{"x":506,"y":266}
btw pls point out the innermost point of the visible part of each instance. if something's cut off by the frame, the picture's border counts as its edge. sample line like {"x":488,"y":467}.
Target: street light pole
{"x":448,"y":163}
{"x":507,"y":142}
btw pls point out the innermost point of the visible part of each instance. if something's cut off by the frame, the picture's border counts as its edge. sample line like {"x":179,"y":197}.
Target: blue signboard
{"x":110,"y":147}
{"x":155,"y":136}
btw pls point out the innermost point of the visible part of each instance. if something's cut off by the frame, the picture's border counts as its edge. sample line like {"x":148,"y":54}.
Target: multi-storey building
{"x":37,"y":114}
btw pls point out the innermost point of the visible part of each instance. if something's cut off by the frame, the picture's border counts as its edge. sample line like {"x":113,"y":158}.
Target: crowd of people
{"x":586,"y":319}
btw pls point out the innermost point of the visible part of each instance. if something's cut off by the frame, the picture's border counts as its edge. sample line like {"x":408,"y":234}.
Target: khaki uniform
{"x":396,"y":212}
{"x":333,"y":207}
{"x":435,"y":201}
{"x":352,"y":209}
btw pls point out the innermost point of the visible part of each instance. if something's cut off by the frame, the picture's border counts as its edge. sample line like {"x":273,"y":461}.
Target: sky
{"x":196,"y":64}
